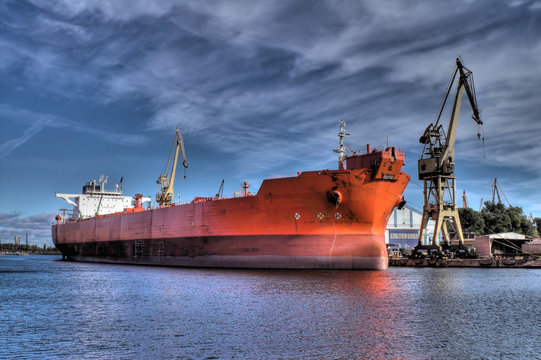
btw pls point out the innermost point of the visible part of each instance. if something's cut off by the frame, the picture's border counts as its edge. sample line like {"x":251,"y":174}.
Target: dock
{"x":470,"y":263}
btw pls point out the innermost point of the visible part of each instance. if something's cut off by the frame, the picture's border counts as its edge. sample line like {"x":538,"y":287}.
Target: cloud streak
{"x":7,"y":147}
{"x":37,"y":121}
{"x":269,"y":80}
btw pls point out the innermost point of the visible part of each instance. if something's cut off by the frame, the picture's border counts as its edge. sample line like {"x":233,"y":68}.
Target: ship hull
{"x":278,"y":252}
{"x":331,"y":219}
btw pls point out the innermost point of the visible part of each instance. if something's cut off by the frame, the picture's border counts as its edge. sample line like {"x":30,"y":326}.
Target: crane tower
{"x":437,"y":163}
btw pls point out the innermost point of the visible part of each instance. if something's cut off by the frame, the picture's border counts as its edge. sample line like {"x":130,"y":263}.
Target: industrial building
{"x":403,"y":227}
{"x":503,"y":244}
{"x":532,"y":248}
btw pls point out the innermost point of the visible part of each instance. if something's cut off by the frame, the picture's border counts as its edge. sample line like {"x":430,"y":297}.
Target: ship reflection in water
{"x":55,"y":309}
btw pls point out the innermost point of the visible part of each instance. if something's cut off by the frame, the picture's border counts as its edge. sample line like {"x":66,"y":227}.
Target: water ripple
{"x":55,"y":309}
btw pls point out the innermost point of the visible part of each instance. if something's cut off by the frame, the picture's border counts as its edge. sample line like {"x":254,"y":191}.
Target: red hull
{"x":326,"y":219}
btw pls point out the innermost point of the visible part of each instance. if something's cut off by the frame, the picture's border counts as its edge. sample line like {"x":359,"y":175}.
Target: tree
{"x":499,"y":219}
{"x":472,"y":222}
{"x":537,"y":222}
{"x":496,"y":218}
{"x":519,"y":222}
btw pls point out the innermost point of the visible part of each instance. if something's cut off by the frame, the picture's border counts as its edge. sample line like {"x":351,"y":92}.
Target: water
{"x":55,"y":309}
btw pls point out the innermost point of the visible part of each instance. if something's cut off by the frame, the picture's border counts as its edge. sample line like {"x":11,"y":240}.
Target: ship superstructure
{"x":95,"y":200}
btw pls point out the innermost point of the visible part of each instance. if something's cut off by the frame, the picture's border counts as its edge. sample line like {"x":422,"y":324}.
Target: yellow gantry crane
{"x":166,"y":182}
{"x":437,"y":163}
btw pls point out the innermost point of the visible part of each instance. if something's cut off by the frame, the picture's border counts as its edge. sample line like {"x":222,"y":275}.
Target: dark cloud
{"x":270,"y":80}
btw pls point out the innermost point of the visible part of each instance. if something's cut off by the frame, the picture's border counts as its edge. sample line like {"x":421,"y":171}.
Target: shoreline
{"x":478,"y":263}
{"x":25,"y":253}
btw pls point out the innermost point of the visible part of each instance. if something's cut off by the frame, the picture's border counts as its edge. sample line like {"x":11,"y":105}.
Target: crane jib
{"x":166,"y":182}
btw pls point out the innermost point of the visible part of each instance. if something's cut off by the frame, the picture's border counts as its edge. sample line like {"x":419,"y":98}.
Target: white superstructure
{"x":95,"y":200}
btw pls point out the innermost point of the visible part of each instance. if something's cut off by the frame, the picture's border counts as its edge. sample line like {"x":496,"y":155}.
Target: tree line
{"x":496,"y":218}
{"x":11,"y":247}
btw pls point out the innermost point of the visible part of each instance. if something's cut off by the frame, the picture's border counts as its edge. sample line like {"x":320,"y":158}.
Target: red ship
{"x":326,"y":219}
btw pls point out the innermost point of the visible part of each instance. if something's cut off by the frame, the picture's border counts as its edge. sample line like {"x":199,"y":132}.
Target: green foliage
{"x":519,"y":222}
{"x":496,"y":218}
{"x":537,"y":222}
{"x":472,"y":222}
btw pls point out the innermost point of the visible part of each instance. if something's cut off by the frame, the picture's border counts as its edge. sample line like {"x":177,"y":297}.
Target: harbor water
{"x":52,"y":309}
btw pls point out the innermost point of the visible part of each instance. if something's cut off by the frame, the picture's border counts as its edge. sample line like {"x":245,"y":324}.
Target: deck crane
{"x":437,"y":163}
{"x":166,"y":182}
{"x":220,"y":193}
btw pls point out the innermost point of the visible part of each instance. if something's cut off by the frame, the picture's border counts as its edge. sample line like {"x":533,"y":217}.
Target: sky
{"x":257,"y":88}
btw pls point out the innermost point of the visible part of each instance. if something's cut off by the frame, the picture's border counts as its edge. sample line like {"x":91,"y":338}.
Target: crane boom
{"x":437,"y":164}
{"x":166,"y":182}
{"x":495,"y":192}
{"x":220,"y":193}
{"x":438,"y":152}
{"x":463,"y":84}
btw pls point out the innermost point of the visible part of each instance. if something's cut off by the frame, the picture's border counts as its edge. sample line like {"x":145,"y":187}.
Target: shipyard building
{"x":403,"y":228}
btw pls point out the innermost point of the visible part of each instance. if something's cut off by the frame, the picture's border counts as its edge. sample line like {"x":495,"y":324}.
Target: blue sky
{"x":257,"y":88}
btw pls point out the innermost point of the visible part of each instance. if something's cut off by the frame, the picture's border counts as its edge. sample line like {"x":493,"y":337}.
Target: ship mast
{"x":341,"y":150}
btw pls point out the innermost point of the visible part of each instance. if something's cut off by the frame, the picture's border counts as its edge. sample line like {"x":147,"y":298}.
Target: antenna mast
{"x":341,"y":150}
